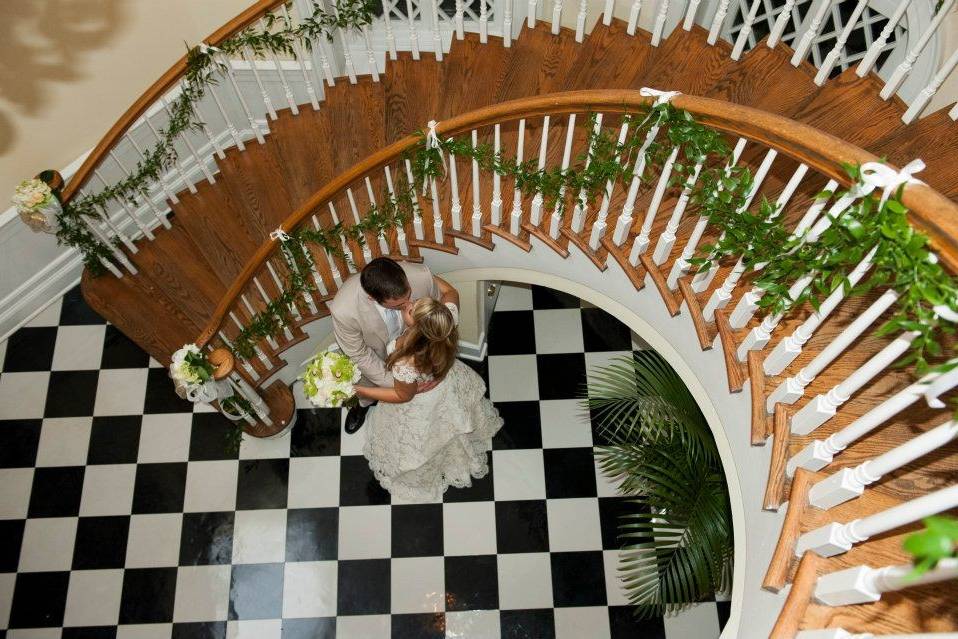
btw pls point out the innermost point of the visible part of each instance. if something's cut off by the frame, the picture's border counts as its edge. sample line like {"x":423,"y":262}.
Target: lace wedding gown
{"x":438,"y":439}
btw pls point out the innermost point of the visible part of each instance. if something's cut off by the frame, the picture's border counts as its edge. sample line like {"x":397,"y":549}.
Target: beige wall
{"x":70,"y":68}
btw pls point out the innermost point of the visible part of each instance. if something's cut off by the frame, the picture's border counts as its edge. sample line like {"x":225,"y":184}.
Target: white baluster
{"x":400,"y":230}
{"x":850,"y":483}
{"x":580,"y":20}
{"x":556,"y":221}
{"x":416,"y":211}
{"x":371,"y":55}
{"x":641,"y":242}
{"x":483,"y":22}
{"x":819,"y":453}
{"x":177,"y":165}
{"x":157,"y":213}
{"x":383,"y":244}
{"x":436,"y":214}
{"x":367,"y":253}
{"x":242,"y":100}
{"x":248,"y":392}
{"x":495,"y":207}
{"x":515,"y":219}
{"x":634,"y":16}
{"x":126,"y":209}
{"x":281,"y":73}
{"x":743,"y":35}
{"x":809,"y":36}
{"x":189,"y":145}
{"x":879,"y":45}
{"x":599,"y":226}
{"x":390,"y":36}
{"x":234,"y":133}
{"x":413,"y":34}
{"x":663,"y":248}
{"x":460,"y":19}
{"x":792,"y":388}
{"x":780,"y":23}
{"x":717,"y":21}
{"x":507,"y":24}
{"x":953,"y":114}
{"x":863,"y":584}
{"x":251,"y":310}
{"x":214,"y":144}
{"x":925,"y":95}
{"x":904,"y":68}
{"x":531,"y":14}
{"x":834,"y":538}
{"x":690,"y":14}
{"x":825,"y":70}
{"x":556,"y":16}
{"x":824,"y":406}
{"x":476,"y":199}
{"x":300,"y":56}
{"x":342,"y":238}
{"x":758,"y":337}
{"x":170,"y":194}
{"x":581,"y":207}
{"x":535,"y":211}
{"x":105,"y":216}
{"x":250,"y":58}
{"x":607,"y":12}
{"x":682,"y":264}
{"x":660,"y":19}
{"x":624,"y":224}
{"x":117,"y":253}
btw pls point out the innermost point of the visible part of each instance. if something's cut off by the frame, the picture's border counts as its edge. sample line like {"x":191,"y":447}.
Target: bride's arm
{"x":400,"y":393}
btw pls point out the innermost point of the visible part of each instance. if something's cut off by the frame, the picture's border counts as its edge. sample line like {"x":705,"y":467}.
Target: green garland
{"x":202,"y":68}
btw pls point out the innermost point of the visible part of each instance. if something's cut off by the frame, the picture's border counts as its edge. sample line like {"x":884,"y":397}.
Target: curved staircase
{"x":204,"y":277}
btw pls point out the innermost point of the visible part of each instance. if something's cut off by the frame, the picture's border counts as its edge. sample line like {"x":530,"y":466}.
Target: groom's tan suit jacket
{"x":359,"y":328}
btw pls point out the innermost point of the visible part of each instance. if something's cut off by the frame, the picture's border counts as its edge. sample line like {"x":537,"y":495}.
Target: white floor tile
{"x":15,"y":487}
{"x":309,"y":589}
{"x":513,"y":378}
{"x":259,"y":536}
{"x":574,"y":524}
{"x":558,"y":330}
{"x":93,"y":598}
{"x":210,"y":486}
{"x":23,"y":395}
{"x":469,"y":528}
{"x":64,"y":441}
{"x":473,"y":624}
{"x":165,"y":438}
{"x":606,"y":486}
{"x":565,"y":424}
{"x":48,"y":544}
{"x":362,"y":627}
{"x":582,"y":621}
{"x":7,"y":582}
{"x":202,"y":593}
{"x":418,"y":585}
{"x":700,"y":621}
{"x":525,"y":581}
{"x":79,"y":348}
{"x":600,"y":359}
{"x":263,"y":448}
{"x":255,"y":629}
{"x":313,"y":482}
{"x":49,"y":316}
{"x":145,"y":631}
{"x":514,"y":297}
{"x":518,"y":474}
{"x":351,"y":444}
{"x":33,"y":633}
{"x":614,"y":587}
{"x":120,"y":391}
{"x":108,"y":490}
{"x":364,"y":532}
{"x":154,"y":540}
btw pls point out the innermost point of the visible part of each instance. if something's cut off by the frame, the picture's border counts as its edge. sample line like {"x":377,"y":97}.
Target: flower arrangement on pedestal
{"x":329,"y":378}
{"x":37,"y":205}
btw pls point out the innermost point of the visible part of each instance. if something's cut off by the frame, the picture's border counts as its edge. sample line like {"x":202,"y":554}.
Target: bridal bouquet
{"x":192,"y":375}
{"x":328,"y":379}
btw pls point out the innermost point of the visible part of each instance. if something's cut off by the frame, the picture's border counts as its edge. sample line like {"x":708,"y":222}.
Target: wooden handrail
{"x":157,"y":89}
{"x":930,"y":211}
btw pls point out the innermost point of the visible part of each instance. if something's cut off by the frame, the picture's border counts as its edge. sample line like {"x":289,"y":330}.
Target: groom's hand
{"x":425,"y":387}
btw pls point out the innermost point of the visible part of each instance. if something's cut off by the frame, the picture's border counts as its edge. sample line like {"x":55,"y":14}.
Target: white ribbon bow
{"x":881,"y":176}
{"x":279,"y":234}
{"x":432,"y":142}
{"x":208,"y":48}
{"x":661,"y":97}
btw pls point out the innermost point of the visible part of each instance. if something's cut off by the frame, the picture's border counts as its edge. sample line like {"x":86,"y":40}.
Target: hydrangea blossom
{"x":329,"y":378}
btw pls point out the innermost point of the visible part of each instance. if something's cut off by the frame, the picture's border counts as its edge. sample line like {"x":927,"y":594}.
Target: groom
{"x":367,"y":315}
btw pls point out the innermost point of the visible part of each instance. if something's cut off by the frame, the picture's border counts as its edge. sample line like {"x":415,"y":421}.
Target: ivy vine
{"x":203,"y":65}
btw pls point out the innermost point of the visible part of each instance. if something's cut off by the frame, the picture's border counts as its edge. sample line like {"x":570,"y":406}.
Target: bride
{"x":419,"y":444}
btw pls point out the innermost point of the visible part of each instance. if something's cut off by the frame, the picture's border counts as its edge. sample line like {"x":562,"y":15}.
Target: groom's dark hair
{"x":383,"y":279}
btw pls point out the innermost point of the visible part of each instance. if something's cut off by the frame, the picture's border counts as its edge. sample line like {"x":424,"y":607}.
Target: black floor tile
{"x":256,"y":591}
{"x":624,"y":624}
{"x":357,"y":485}
{"x":428,"y":625}
{"x":161,"y":396}
{"x":114,"y":440}
{"x":528,"y":624}
{"x":148,"y":595}
{"x":11,"y":538}
{"x":603,"y":332}
{"x":263,"y":483}
{"x":512,"y":333}
{"x":578,"y":579}
{"x":74,"y":310}
{"x":724,"y":609}
{"x":89,"y":632}
{"x":546,"y":298}
{"x":363,"y":587}
{"x":521,"y":526}
{"x":417,"y":530}
{"x":522,"y":428}
{"x":119,"y":351}
{"x":30,"y":349}
{"x":472,"y":583}
{"x":570,"y":472}
{"x":208,"y":438}
{"x":317,"y":432}
{"x":206,"y":538}
{"x":482,"y":489}
{"x":19,"y":439}
{"x":199,"y":630}
{"x":611,"y":510}
{"x":561,"y":375}
{"x":159,"y":488}
{"x":314,"y":628}
{"x":39,"y":599}
{"x":56,"y":491}
{"x":101,"y":542}
{"x":312,"y":534}
{"x":71,"y":393}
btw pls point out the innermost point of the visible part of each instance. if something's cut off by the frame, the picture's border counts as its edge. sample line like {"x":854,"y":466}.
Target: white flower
{"x":328,"y":379}
{"x":31,"y":194}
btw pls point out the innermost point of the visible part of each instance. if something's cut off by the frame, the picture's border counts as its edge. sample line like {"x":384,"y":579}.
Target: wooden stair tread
{"x":540,"y":63}
{"x":413,"y":92}
{"x":686,"y":62}
{"x":610,"y":59}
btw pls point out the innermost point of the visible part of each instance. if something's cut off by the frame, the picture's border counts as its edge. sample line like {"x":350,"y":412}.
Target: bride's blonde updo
{"x":432,"y":340}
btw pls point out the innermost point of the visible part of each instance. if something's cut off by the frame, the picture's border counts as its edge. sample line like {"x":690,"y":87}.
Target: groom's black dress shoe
{"x":355,"y":418}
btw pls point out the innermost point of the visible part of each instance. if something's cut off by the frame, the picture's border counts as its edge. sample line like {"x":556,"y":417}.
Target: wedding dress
{"x":438,"y":439}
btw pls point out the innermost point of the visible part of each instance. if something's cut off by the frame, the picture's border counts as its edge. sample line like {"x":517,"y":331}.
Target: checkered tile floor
{"x":122,"y":516}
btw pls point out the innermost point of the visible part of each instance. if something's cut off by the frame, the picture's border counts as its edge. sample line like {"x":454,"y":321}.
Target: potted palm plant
{"x":677,"y":540}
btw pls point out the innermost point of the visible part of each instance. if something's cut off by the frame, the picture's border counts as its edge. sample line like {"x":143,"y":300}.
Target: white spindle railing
{"x":925,"y":95}
{"x":437,"y":35}
{"x":850,"y":483}
{"x":400,"y":229}
{"x":230,"y":126}
{"x":413,"y":33}
{"x":634,"y":11}
{"x":743,"y":35}
{"x":556,"y":16}
{"x":659,"y":28}
{"x":250,"y":58}
{"x":507,"y":24}
{"x":717,"y":21}
{"x":556,"y":222}
{"x":598,"y":227}
{"x":878,"y":46}
{"x":864,"y":584}
{"x":641,"y":242}
{"x":581,"y":207}
{"x":778,"y":29}
{"x":200,"y":162}
{"x":476,"y":200}
{"x":904,"y":68}
{"x":609,"y":10}
{"x":829,"y":63}
{"x":455,"y":208}
{"x":515,"y":218}
{"x":535,"y":211}
{"x":144,"y":229}
{"x":690,"y":12}
{"x":663,"y":248}
{"x":801,"y":50}
{"x":580,"y":20}
{"x":834,"y":538}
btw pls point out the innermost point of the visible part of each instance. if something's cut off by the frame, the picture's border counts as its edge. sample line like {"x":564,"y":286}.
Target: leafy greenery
{"x":677,"y":542}
{"x":203,"y":65}
{"x":236,"y":406}
{"x":939,"y":540}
